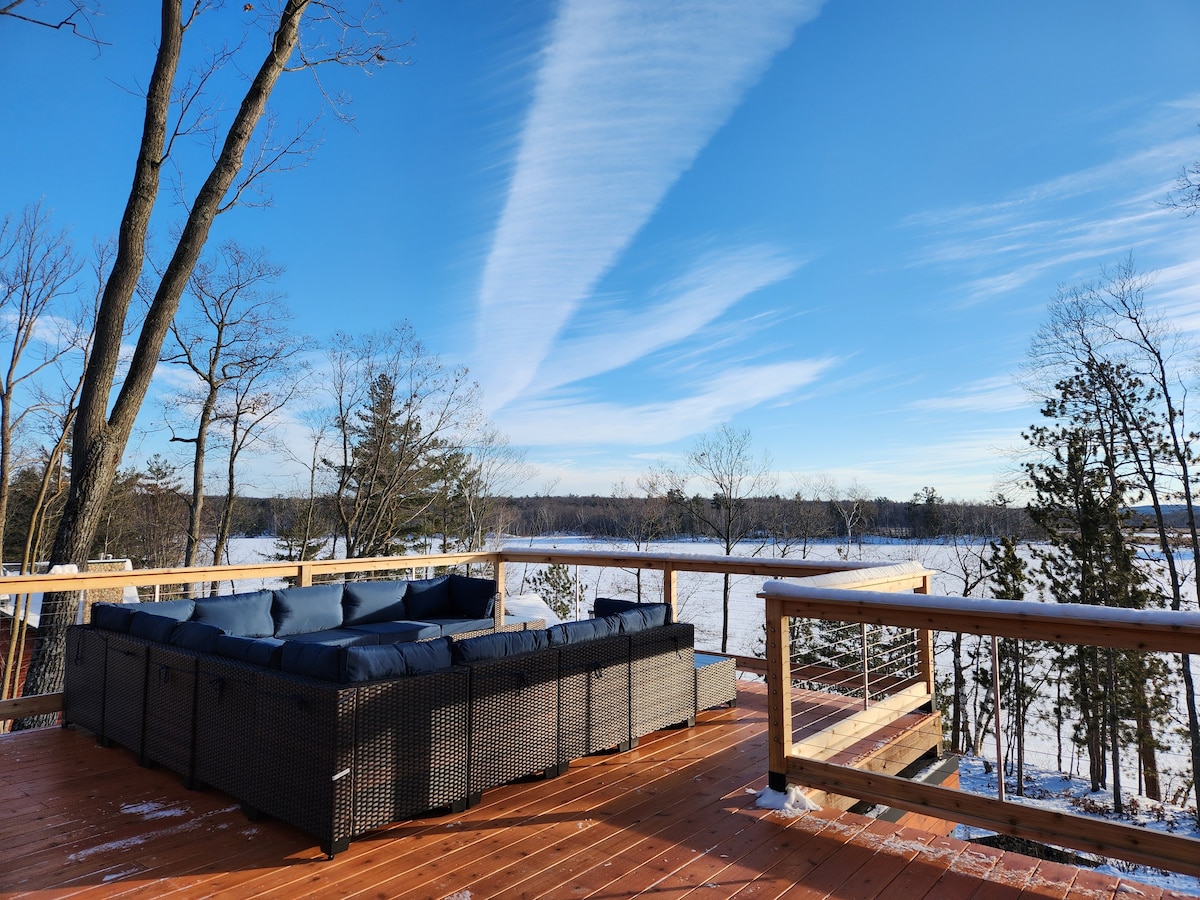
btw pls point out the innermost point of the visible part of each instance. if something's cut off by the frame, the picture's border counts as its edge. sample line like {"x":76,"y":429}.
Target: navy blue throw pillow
{"x":117,"y":616}
{"x":151,"y":627}
{"x":429,"y":598}
{"x":302,"y":610}
{"x":313,"y":660}
{"x":585,"y":630}
{"x":196,"y":636}
{"x":248,"y":615}
{"x":472,"y":598}
{"x":371,"y":602}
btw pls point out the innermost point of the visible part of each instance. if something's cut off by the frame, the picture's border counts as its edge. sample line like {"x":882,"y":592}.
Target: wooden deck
{"x":673,"y":818}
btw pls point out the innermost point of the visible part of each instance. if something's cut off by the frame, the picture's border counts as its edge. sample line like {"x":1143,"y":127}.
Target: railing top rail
{"x":1135,"y":629}
{"x":688,"y":562}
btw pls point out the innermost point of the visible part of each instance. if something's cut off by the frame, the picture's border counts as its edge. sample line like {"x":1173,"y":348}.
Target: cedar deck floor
{"x":673,"y":818}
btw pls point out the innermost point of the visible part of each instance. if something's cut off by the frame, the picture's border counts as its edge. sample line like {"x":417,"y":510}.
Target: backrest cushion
{"x":585,"y":630}
{"x":302,"y":610}
{"x":369,"y":602}
{"x":429,"y":598}
{"x":498,"y":646}
{"x":247,"y":615}
{"x":472,"y":598}
{"x":151,"y":627}
{"x":640,"y":618}
{"x":370,"y":663}
{"x":259,"y":651}
{"x":313,"y":660}
{"x":607,"y":606}
{"x":198,"y":636}
{"x":116,"y":616}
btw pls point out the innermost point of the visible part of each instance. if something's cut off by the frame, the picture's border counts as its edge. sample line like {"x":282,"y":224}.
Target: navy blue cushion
{"x":472,"y":598}
{"x":116,"y":616}
{"x":607,"y":606}
{"x":151,"y":627}
{"x":497,"y":646}
{"x":197,"y":636}
{"x":259,"y":651}
{"x":641,"y":618}
{"x":428,"y":598}
{"x":393,"y":632}
{"x":585,"y":630}
{"x":392,"y":660}
{"x":248,"y":615}
{"x":368,"y":602}
{"x":335,"y":637}
{"x":304,"y":609}
{"x":313,"y":660}
{"x":458,"y":626}
{"x":371,"y":663}
{"x":112,"y":616}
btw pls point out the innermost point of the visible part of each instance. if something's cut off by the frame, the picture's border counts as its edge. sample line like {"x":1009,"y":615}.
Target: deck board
{"x":673,"y":818}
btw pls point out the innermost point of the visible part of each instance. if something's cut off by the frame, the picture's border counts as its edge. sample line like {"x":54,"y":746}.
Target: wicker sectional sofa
{"x":342,"y":736}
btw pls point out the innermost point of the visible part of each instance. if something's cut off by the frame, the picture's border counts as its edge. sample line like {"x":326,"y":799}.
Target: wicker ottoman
{"x":716,"y":681}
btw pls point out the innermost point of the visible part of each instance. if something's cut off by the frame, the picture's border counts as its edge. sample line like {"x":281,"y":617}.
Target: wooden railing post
{"x":925,"y":661}
{"x":304,"y":574}
{"x":779,"y":695}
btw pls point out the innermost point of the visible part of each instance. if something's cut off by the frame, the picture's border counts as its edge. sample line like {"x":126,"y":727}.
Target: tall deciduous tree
{"x":299,"y":35}
{"x":724,"y":465}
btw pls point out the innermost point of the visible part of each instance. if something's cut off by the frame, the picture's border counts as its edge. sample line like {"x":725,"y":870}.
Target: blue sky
{"x":834,"y":224}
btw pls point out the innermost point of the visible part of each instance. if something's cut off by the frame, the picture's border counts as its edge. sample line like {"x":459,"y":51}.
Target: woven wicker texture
{"x":83,"y":678}
{"x":225,"y":708}
{"x":171,"y":708}
{"x":662,"y":672}
{"x":125,"y":691}
{"x":411,"y":753}
{"x":716,"y":681}
{"x":593,"y":710}
{"x":513,"y":718}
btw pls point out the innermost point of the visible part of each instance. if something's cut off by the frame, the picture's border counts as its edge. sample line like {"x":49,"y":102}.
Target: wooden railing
{"x":1147,"y":630}
{"x":310,"y":571}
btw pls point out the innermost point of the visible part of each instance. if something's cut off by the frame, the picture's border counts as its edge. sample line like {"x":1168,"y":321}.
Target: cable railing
{"x":1024,"y":655}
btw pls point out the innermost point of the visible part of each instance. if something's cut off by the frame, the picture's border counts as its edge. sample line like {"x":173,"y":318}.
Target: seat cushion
{"x":368,"y":602}
{"x":459,"y":626}
{"x":301,"y":610}
{"x":429,"y":598}
{"x":259,"y":651}
{"x":334,"y":637}
{"x":398,"y":632}
{"x":472,"y":598}
{"x":497,"y":646}
{"x":247,"y":615}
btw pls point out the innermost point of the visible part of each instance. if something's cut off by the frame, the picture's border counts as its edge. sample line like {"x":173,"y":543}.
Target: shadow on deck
{"x":673,"y":818}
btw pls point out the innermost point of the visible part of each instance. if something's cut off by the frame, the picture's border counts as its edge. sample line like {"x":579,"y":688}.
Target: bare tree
{"x":236,"y":343}
{"x":175,"y":107}
{"x":724,"y":465}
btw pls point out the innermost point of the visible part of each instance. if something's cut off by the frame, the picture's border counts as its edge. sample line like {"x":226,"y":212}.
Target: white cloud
{"x":987,"y":395}
{"x":627,"y":96}
{"x":565,"y":421}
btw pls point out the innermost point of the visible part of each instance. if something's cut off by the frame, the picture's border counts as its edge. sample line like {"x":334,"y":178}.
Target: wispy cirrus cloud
{"x":627,"y":95}
{"x":1059,"y":227}
{"x":987,"y":395}
{"x":567,"y":420}
{"x":710,"y":287}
